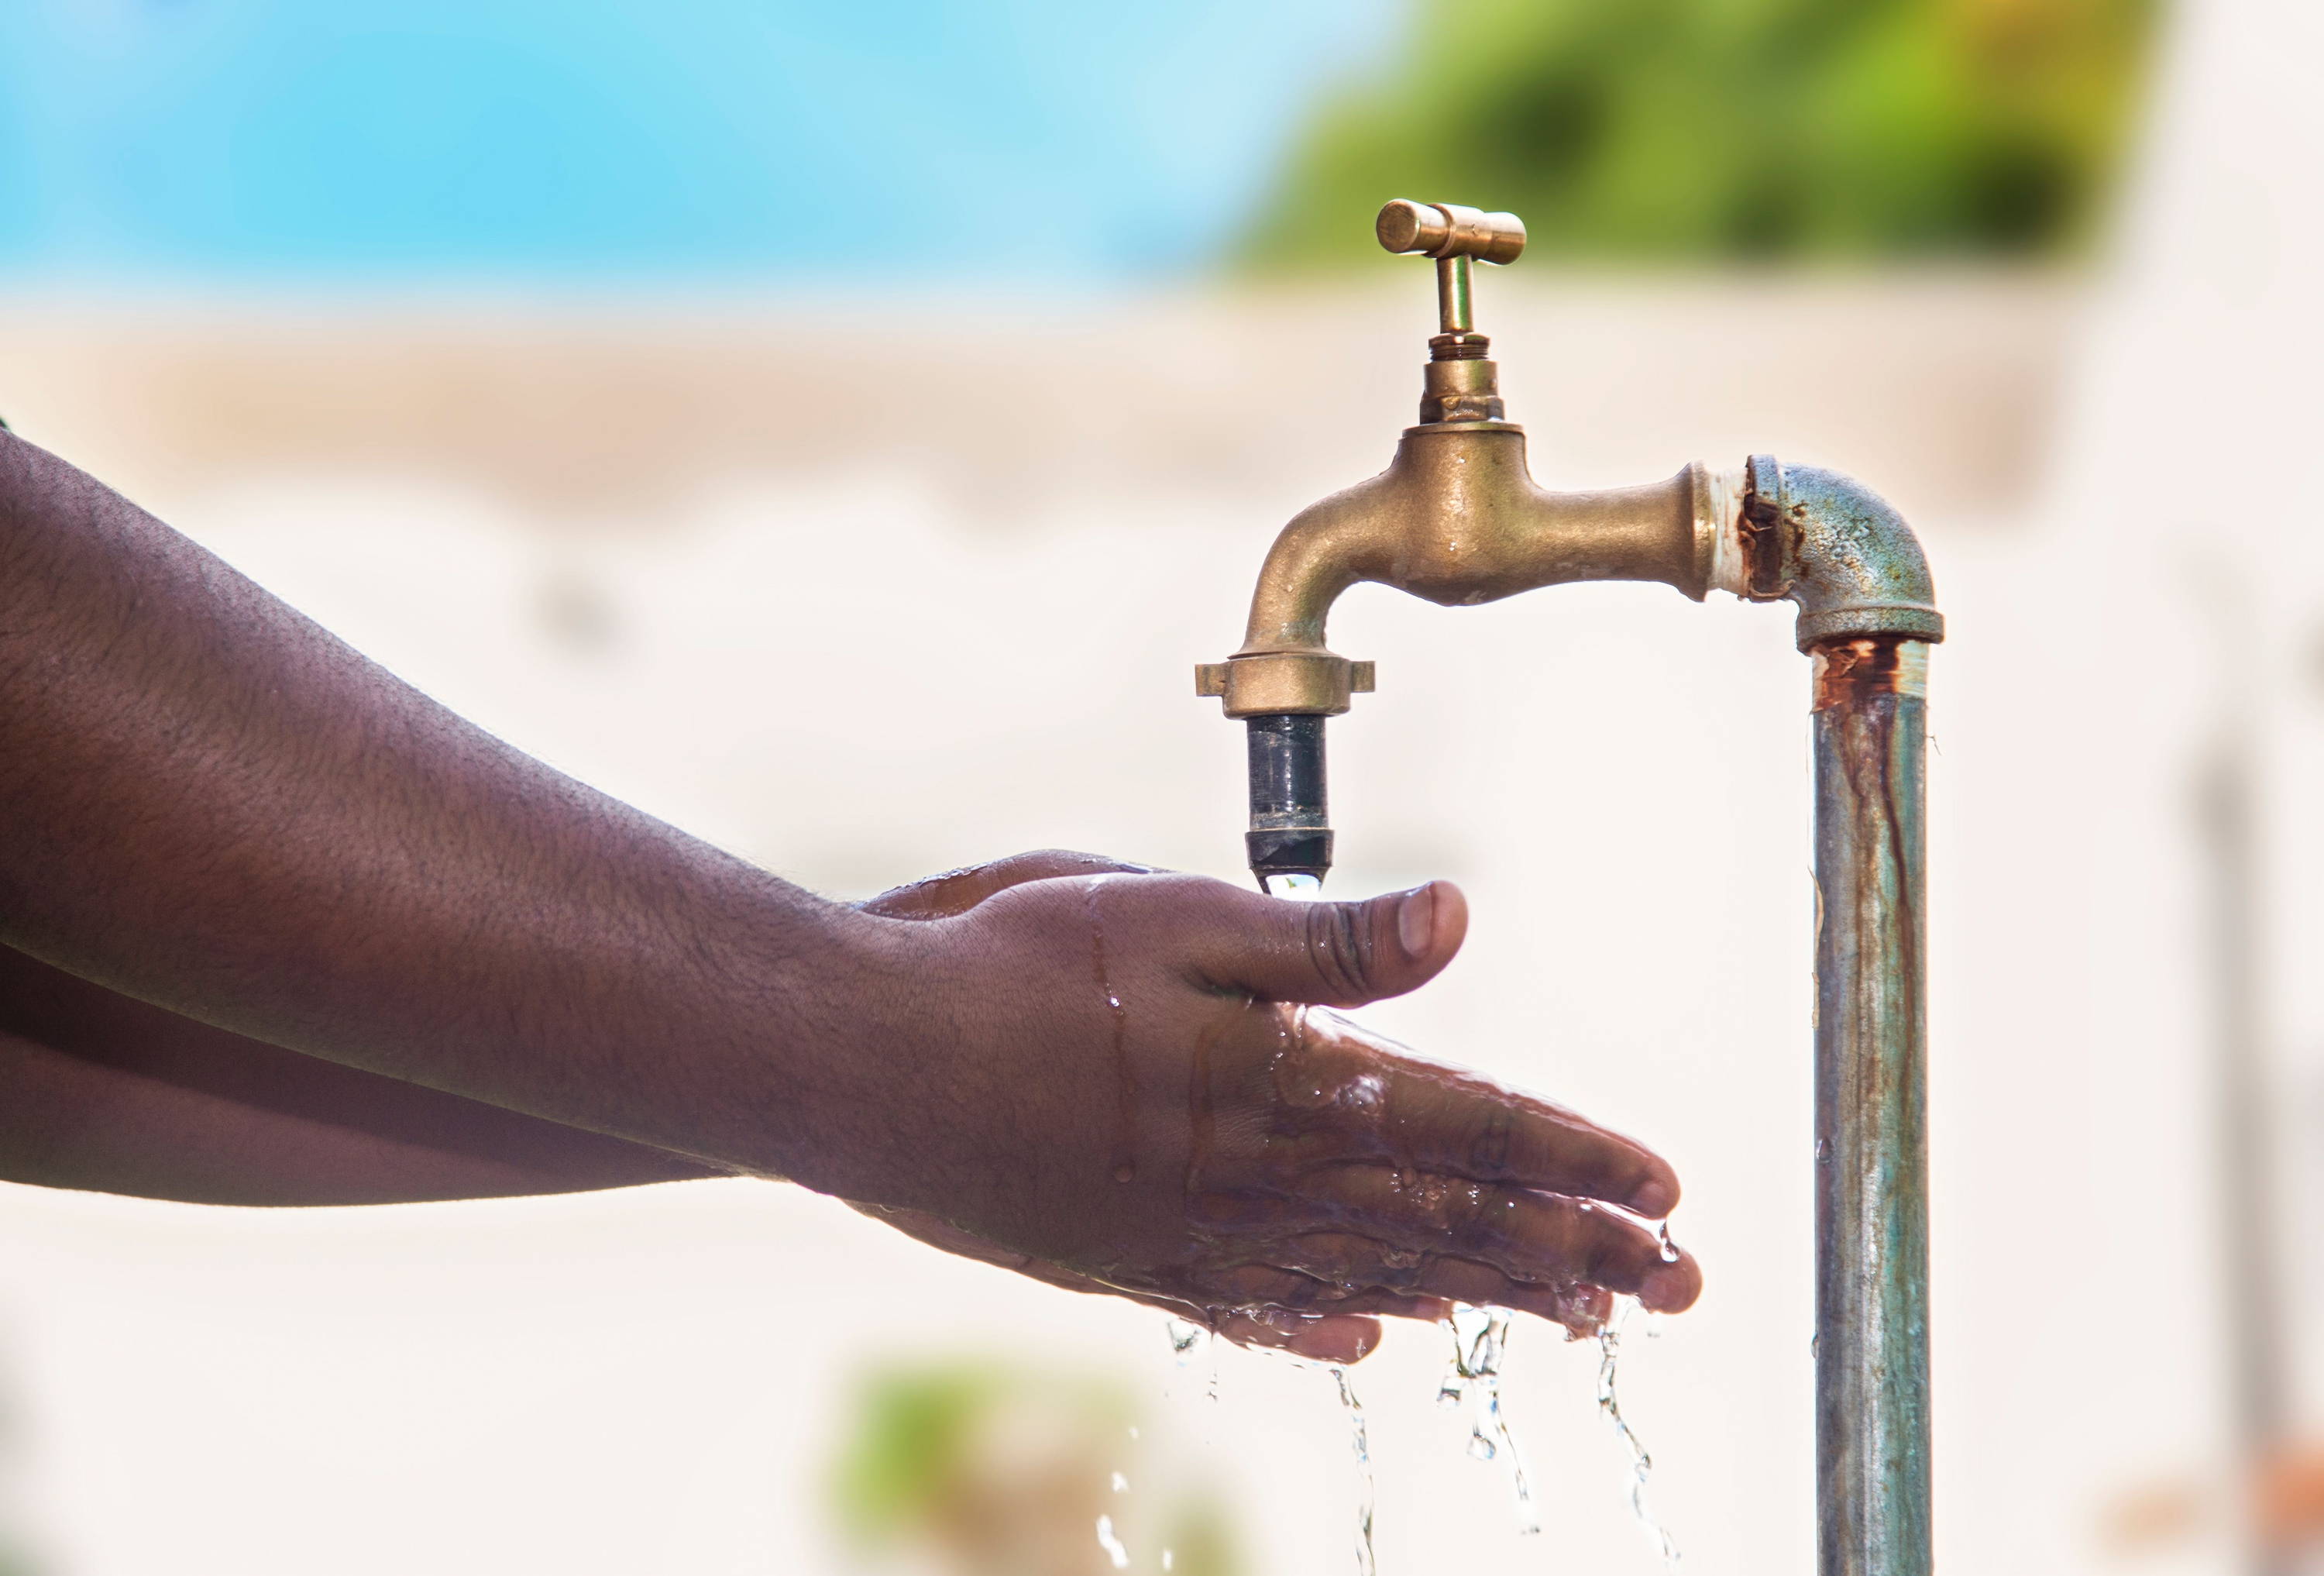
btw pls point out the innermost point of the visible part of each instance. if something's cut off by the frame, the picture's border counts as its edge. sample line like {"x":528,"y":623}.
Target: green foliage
{"x":1682,"y":129}
{"x":913,"y":1431}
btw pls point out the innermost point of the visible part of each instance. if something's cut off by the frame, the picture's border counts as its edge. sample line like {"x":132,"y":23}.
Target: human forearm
{"x":109,"y":1094}
{"x":223,"y":810}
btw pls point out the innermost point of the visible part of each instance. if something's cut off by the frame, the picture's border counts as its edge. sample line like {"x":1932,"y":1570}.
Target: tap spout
{"x":1457,"y":520}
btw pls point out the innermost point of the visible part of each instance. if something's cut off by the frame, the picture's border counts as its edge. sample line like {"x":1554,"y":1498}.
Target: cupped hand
{"x":1134,"y":1089}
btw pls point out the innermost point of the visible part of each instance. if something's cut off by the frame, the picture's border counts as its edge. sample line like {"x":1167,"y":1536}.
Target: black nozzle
{"x":1290,"y":816}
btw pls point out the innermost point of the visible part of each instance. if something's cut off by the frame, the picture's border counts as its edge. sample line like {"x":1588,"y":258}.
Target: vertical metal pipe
{"x":1454,"y":312}
{"x":1871,"y":1164}
{"x":2260,"y":1371}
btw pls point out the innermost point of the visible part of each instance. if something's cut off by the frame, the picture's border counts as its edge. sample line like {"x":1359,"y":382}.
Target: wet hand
{"x":1142,"y":1096}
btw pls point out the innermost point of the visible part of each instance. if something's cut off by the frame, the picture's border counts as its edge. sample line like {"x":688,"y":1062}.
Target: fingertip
{"x":1656,"y":1196}
{"x":1332,"y":1338}
{"x":1341,"y":1338}
{"x":1430,"y":919}
{"x":1452,"y":917}
{"x":1673,"y":1287}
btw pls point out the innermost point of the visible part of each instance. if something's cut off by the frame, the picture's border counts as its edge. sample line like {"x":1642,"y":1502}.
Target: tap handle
{"x":1447,"y":229}
{"x":1454,"y":235}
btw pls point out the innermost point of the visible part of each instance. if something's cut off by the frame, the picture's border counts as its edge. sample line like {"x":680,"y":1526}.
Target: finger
{"x":1437,"y":1119}
{"x":940,"y":897}
{"x":1388,"y":1274}
{"x":1542,"y":1238}
{"x":1335,"y":955}
{"x":1368,"y":1098}
{"x":1323,"y":1337}
{"x":1333,"y":1338}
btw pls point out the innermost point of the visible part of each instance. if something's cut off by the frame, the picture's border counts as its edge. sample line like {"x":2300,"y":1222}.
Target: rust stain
{"x":1768,"y":543}
{"x":1849,"y":672}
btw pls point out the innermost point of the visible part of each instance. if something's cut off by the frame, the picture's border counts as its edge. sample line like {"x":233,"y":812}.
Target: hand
{"x":1141,"y":1099}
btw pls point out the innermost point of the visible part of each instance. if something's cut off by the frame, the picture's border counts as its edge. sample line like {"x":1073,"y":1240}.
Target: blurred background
{"x":613,"y":372}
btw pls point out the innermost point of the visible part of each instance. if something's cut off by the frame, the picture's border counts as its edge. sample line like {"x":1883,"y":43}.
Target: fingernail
{"x":1416,"y":920}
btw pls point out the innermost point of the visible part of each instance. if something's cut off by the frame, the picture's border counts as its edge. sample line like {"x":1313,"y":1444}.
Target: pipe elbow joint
{"x":1835,"y":548}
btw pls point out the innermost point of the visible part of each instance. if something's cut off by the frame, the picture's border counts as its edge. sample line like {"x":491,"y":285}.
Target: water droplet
{"x":1112,"y":1545}
{"x":1184,"y":1338}
{"x":1121,"y":1484}
{"x":1133,"y":1430}
{"x":1822,"y":1150}
{"x":1169,"y":1558}
{"x":1125,"y":1174}
{"x":1669,"y":1249}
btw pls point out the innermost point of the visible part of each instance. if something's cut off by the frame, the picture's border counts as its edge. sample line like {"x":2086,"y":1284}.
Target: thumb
{"x":1337,"y":954}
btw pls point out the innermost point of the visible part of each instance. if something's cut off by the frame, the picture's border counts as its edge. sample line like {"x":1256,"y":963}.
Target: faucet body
{"x":1457,"y":520}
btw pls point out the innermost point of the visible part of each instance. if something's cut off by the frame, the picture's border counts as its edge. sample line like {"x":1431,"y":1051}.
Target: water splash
{"x":1365,"y":1565}
{"x":1642,"y":1465}
{"x":1114,"y":1549}
{"x":1187,"y":1340}
{"x":1300,"y":886}
{"x":1480,"y":1337}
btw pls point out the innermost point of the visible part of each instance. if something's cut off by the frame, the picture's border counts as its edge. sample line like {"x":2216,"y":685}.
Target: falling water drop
{"x":1670,"y":1249}
{"x":1121,"y":1484}
{"x":1114,"y":1549}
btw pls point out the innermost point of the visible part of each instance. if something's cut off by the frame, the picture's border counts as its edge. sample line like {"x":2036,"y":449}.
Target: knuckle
{"x":1339,"y":945}
{"x":1493,"y":1141}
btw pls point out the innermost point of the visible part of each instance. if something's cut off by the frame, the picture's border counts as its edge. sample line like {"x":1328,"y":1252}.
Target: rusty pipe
{"x":1869,"y":725}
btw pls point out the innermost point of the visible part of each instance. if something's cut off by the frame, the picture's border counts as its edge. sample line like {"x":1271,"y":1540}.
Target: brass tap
{"x":1456,"y":518}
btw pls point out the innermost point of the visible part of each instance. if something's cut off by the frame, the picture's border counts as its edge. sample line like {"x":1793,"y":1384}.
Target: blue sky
{"x":396,"y":139}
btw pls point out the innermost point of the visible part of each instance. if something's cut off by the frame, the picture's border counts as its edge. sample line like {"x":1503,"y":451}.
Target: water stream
{"x":1642,"y":1465}
{"x":1368,"y":1492}
{"x":1480,"y":1337}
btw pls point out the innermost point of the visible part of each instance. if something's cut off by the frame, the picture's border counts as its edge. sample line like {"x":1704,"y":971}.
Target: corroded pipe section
{"x":1871,"y":1154}
{"x":1834,"y":547}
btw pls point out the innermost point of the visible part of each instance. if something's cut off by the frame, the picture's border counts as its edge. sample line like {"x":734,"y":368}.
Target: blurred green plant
{"x":978,"y":1469}
{"x":1692,"y":129}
